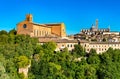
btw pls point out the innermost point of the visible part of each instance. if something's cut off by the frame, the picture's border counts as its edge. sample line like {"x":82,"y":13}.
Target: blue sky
{"x":76,"y":14}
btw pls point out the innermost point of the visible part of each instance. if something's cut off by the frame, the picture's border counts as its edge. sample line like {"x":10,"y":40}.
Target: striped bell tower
{"x":96,"y":23}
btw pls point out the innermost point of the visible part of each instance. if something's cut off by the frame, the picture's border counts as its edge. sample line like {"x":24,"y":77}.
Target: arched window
{"x":45,"y":33}
{"x":35,"y":32}
{"x":40,"y":33}
{"x":68,"y":45}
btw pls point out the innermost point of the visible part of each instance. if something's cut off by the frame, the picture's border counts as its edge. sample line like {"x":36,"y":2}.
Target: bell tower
{"x":96,"y":23}
{"x":29,"y":17}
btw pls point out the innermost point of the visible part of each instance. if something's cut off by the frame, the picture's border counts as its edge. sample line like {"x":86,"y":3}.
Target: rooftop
{"x":57,"y":40}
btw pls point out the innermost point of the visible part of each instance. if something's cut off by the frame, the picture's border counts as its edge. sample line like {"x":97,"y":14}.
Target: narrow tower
{"x":109,"y":28}
{"x":29,"y":17}
{"x":96,"y":23}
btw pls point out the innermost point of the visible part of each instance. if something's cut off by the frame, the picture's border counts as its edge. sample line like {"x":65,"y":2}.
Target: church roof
{"x":47,"y":25}
{"x":53,"y":24}
{"x":38,"y":24}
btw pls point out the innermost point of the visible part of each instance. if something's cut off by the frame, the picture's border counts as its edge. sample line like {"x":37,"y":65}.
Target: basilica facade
{"x":28,"y":27}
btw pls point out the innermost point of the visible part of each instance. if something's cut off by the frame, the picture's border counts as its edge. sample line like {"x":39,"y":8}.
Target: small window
{"x":62,"y":45}
{"x":68,"y":45}
{"x":24,"y":26}
{"x":87,"y":49}
{"x":99,"y":49}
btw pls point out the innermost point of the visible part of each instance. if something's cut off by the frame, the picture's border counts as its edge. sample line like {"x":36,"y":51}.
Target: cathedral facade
{"x":28,"y":27}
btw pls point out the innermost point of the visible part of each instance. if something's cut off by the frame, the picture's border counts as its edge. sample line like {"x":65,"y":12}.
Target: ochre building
{"x":28,"y":27}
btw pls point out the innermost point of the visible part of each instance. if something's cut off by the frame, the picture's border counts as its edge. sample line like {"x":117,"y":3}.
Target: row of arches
{"x":38,"y":33}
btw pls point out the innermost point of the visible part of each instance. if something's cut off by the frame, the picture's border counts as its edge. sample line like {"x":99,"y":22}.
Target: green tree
{"x":90,"y":72}
{"x":50,"y":46}
{"x":93,"y":52}
{"x":110,"y":66}
{"x":79,"y":50}
{"x":3,"y":39}
{"x":3,"y":74}
{"x":13,"y":32}
{"x":93,"y":60}
{"x":22,"y":61}
{"x":25,"y":45}
{"x":65,"y":50}
{"x":3,"y":32}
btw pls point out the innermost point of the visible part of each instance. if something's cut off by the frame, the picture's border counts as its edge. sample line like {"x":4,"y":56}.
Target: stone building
{"x":61,"y":42}
{"x":96,"y":34}
{"x":56,"y":32}
{"x":28,"y":27}
{"x":94,"y":30}
{"x":46,"y":32}
{"x":100,"y":47}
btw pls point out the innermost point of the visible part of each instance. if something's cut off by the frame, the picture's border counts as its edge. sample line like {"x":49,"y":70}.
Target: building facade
{"x":28,"y":27}
{"x":100,"y":47}
{"x":61,"y":42}
{"x":94,"y":30}
{"x":56,"y":31}
{"x":46,"y":32}
{"x":96,"y":34}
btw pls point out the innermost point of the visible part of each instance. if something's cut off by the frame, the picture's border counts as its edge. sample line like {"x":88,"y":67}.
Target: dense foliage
{"x":17,"y":51}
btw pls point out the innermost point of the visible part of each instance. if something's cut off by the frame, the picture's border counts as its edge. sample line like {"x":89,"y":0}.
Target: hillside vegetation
{"x":20,"y":51}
